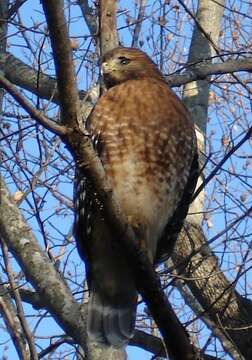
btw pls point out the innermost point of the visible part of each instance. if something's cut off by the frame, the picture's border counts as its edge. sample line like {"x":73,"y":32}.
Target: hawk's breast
{"x":147,"y":145}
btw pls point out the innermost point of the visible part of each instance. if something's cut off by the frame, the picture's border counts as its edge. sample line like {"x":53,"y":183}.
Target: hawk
{"x":146,"y":141}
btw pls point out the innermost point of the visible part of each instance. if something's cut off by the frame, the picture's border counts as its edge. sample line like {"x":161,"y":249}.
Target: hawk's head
{"x":122,"y":64}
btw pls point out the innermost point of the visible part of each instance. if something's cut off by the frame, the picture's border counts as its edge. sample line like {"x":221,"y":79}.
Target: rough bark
{"x":107,"y":27}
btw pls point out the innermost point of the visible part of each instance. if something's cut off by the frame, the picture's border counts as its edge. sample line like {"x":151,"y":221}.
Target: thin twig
{"x":20,"y":311}
{"x":139,"y":21}
{"x":34,"y":113}
{"x":222,"y":162}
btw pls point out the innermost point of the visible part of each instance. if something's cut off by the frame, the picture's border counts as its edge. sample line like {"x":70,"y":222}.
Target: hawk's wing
{"x":174,"y":226}
{"x":113,"y":297}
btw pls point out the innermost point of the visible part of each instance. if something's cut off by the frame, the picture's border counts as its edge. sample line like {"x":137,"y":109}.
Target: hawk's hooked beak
{"x":107,"y":67}
{"x":104,"y":68}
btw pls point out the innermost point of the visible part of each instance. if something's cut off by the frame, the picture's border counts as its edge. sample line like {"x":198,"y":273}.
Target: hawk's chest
{"x":133,"y":146}
{"x":146,"y":146}
{"x":135,"y":159}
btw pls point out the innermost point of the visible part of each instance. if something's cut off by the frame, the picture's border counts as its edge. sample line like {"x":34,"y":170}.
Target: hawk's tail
{"x":113,"y":296}
{"x":111,"y":322}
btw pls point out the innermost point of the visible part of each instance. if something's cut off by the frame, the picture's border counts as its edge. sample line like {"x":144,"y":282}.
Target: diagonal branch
{"x":245,"y":138}
{"x":38,"y":269}
{"x":226,"y":308}
{"x":20,"y":311}
{"x":23,"y":75}
{"x":89,"y":16}
{"x":9,"y":315}
{"x":34,"y":113}
{"x":15,"y":7}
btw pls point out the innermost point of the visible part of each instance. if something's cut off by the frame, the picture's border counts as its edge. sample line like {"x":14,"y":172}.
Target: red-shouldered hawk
{"x":146,"y":141}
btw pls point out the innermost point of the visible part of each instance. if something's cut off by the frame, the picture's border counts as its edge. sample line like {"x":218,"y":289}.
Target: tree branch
{"x":23,"y":75}
{"x":191,"y":301}
{"x":107,"y":26}
{"x":137,"y":29}
{"x":245,"y":138}
{"x":7,"y":309}
{"x":26,"y":77}
{"x":230,"y":312}
{"x":38,"y":269}
{"x":63,"y":61}
{"x":34,"y":113}
{"x":8,"y":313}
{"x":202,"y":70}
{"x":54,"y":345}
{"x":90,"y":17}
{"x":20,"y":311}
{"x":15,"y":7}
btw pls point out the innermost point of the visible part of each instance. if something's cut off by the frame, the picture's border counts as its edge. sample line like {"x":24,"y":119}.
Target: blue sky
{"x":59,"y":226}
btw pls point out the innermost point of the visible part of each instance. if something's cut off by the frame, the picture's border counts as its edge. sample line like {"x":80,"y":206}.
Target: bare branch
{"x":245,"y":138}
{"x":208,"y":39}
{"x":199,"y":311}
{"x":55,"y":345}
{"x":202,"y":70}
{"x":90,"y":17}
{"x":138,"y":26}
{"x":28,"y":296}
{"x":63,"y":60}
{"x":26,"y":77}
{"x":20,"y":311}
{"x":107,"y":31}
{"x":155,"y":345}
{"x":8,"y":312}
{"x":39,"y":270}
{"x":23,"y":75}
{"x":15,"y":7}
{"x":34,"y":113}
{"x":214,"y":292}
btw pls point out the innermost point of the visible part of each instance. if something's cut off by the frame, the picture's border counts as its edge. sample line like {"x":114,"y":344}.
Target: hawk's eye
{"x":123,"y":60}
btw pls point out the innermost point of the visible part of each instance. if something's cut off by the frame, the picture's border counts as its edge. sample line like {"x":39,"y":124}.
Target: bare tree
{"x":45,"y":53}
